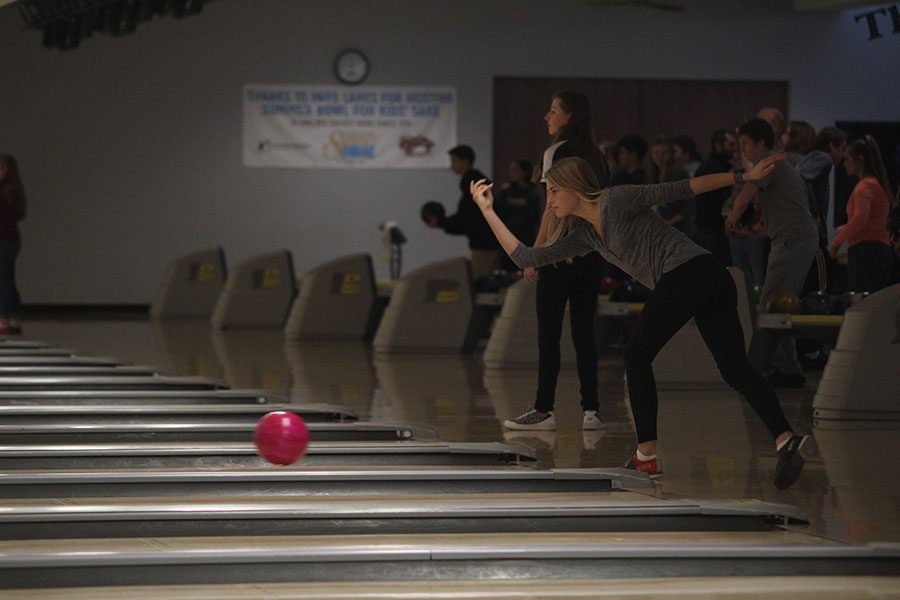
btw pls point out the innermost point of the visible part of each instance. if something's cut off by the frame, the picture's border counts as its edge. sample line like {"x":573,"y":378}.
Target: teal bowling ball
{"x":841,"y":303}
{"x":816,"y":303}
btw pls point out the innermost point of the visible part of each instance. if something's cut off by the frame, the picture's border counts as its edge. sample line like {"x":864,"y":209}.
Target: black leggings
{"x":869,"y":266}
{"x":10,"y":302}
{"x":576,"y":283}
{"x":703,"y":289}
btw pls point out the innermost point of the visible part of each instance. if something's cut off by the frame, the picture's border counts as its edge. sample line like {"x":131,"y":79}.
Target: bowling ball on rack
{"x":784,"y":302}
{"x":607,"y":284}
{"x":629,"y":291}
{"x":281,"y":437}
{"x":487,"y":285}
{"x":639,"y":292}
{"x":841,"y":303}
{"x":757,"y":291}
{"x":816,"y":303}
{"x":622,"y":292}
{"x":505,"y":279}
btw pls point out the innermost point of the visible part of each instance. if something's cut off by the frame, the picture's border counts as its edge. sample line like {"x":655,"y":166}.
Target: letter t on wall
{"x":874,"y":34}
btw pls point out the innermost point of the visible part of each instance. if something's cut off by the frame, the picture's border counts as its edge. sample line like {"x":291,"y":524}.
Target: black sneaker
{"x":790,"y":462}
{"x":814,"y":362}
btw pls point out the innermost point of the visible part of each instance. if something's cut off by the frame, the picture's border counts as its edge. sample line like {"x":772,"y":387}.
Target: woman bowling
{"x":687,"y":282}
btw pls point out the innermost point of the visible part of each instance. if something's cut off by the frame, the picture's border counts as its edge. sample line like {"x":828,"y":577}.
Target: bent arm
{"x":522,"y":255}
{"x":508,"y":241}
{"x":862,"y":206}
{"x":741,"y":202}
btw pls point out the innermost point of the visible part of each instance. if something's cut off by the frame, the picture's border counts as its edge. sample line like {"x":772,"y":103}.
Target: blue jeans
{"x":10,"y":302}
{"x":750,"y":254}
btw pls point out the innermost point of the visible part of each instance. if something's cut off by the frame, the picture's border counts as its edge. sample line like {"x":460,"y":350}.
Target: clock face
{"x":351,"y":67}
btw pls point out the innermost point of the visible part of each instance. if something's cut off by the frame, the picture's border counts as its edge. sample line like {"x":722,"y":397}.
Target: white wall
{"x":130,"y":148}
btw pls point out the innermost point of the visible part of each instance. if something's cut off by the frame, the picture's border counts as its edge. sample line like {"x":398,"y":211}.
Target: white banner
{"x":343,"y":127}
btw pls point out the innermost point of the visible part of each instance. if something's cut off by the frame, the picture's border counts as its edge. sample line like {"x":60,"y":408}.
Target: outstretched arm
{"x":627,"y":200}
{"x":714,"y":181}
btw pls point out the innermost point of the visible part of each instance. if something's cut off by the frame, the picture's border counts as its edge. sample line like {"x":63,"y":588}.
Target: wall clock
{"x":351,"y":67}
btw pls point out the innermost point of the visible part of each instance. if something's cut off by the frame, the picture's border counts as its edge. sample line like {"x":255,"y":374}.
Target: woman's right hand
{"x":482,"y":194}
{"x":531,"y":274}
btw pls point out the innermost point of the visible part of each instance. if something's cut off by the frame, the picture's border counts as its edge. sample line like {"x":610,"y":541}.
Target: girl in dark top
{"x":686,"y":280}
{"x":576,"y":281}
{"x":12,"y":210}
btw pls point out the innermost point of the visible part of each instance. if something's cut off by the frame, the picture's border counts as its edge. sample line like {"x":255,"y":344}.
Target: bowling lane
{"x":831,"y":588}
{"x":231,"y":455}
{"x":136,"y":397}
{"x":712,"y":445}
{"x":63,"y":563}
{"x":150,"y":413}
{"x":304,"y":481}
{"x":185,"y":430}
{"x":515,"y":510}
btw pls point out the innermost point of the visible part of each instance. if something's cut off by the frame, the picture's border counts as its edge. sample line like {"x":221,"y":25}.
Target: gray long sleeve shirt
{"x":632,"y":235}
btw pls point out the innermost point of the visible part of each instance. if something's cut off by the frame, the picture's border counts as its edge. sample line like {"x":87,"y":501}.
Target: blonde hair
{"x":574,"y":175}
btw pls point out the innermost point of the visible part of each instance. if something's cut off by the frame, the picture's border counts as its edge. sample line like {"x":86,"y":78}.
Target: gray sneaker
{"x":532,"y":420}
{"x":592,"y":421}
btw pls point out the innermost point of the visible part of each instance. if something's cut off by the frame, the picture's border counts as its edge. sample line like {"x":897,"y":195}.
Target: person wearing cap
{"x":467,"y":220}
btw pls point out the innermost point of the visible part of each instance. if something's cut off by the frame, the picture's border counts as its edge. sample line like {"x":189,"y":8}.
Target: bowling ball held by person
{"x":281,"y":437}
{"x":433,"y":213}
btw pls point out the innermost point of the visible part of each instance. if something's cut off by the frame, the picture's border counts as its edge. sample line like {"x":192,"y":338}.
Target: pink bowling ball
{"x":281,"y":437}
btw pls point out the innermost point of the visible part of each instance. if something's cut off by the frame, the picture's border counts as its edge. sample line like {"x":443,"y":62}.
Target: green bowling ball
{"x":757,"y":291}
{"x":816,"y":303}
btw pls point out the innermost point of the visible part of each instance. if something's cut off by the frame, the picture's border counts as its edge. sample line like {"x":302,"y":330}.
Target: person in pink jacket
{"x":869,"y":257}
